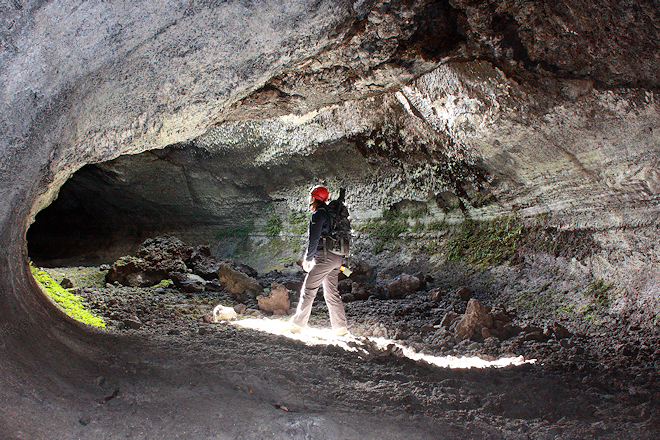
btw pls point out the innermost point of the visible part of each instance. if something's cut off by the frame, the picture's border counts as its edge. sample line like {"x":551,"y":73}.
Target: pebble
{"x":132,"y":324}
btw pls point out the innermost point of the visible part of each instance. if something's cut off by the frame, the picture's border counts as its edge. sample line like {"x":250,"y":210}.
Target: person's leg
{"x":308,"y":292}
{"x":331,"y":293}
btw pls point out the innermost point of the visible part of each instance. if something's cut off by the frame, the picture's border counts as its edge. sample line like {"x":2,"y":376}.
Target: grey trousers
{"x":323,"y":273}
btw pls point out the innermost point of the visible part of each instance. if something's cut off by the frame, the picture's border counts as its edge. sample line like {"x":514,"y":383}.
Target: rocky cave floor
{"x":585,"y":382}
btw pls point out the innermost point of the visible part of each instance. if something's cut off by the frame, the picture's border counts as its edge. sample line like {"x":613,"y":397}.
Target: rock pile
{"x":191,"y":270}
{"x":445,"y":319}
{"x":480,"y":323}
{"x":358,"y":287}
{"x":237,"y":283}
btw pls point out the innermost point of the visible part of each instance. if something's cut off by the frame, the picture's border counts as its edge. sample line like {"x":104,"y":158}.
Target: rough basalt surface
{"x":190,"y":116}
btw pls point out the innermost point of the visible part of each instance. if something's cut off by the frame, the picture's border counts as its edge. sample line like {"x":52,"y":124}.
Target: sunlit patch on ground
{"x":372,"y":346}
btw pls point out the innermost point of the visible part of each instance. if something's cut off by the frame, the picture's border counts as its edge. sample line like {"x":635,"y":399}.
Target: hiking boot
{"x":291,"y":328}
{"x":341,"y":331}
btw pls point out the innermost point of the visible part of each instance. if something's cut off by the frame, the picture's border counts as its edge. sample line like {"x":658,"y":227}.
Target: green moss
{"x":240,"y":235}
{"x":601,"y":297}
{"x":81,"y":276}
{"x":541,"y":301}
{"x":297,"y":223}
{"x":123,"y":261}
{"x":565,"y":310}
{"x":436,"y":226}
{"x":273,"y":226}
{"x":599,"y":291}
{"x":236,"y":231}
{"x":386,"y":228}
{"x":418,"y":227}
{"x":590,"y":315}
{"x":276,"y":253}
{"x":485,"y":243}
{"x":164,"y":283}
{"x":418,"y":213}
{"x":69,"y":302}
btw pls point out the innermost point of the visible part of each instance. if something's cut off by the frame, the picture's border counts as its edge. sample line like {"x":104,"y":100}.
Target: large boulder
{"x":361,"y":271}
{"x":237,"y":283}
{"x":402,"y":285}
{"x":476,"y":318}
{"x":188,"y":282}
{"x":204,"y":263}
{"x":157,"y":259}
{"x":134,"y":272}
{"x":191,"y":269}
{"x":276,"y":301}
{"x":481,"y":322}
{"x":163,"y":249}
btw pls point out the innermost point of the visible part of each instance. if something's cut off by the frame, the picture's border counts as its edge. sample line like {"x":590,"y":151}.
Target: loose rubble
{"x":189,"y":290}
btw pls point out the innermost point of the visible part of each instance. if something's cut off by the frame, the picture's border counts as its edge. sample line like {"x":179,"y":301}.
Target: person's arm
{"x":315,"y":229}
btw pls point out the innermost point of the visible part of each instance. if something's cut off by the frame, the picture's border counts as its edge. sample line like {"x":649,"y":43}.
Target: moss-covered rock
{"x":69,"y":302}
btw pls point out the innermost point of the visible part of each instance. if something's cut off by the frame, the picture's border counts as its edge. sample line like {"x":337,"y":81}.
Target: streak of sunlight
{"x":372,"y":346}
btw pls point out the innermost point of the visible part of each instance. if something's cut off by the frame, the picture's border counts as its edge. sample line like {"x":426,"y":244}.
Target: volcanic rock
{"x":449,"y":319}
{"x":163,"y":249}
{"x":344,"y":286}
{"x":361,"y":271}
{"x":277,"y":300}
{"x":402,"y":286}
{"x":157,"y":259}
{"x":132,"y":324}
{"x":559,"y":331}
{"x":188,"y":282}
{"x":237,"y":283}
{"x":348,"y":297}
{"x":204,"y":263}
{"x":476,"y":318}
{"x":435,"y":294}
{"x":134,"y":272}
{"x":359,"y":291}
{"x":463,"y":293}
{"x":214,"y":286}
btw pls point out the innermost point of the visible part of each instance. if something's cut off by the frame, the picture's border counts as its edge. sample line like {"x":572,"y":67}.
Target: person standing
{"x":322,"y":267}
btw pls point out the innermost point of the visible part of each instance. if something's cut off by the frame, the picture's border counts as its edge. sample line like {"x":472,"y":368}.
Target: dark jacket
{"x":319,"y":226}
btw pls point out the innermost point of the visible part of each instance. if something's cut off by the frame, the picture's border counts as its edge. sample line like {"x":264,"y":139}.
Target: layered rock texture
{"x":188,"y":117}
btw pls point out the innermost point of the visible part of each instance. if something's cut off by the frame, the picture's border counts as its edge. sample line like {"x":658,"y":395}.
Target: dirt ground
{"x":167,"y":373}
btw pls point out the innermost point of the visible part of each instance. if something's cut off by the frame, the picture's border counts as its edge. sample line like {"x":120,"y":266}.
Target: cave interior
{"x":504,"y":155}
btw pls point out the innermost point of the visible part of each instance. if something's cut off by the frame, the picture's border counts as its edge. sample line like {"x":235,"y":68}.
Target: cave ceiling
{"x":192,"y":70}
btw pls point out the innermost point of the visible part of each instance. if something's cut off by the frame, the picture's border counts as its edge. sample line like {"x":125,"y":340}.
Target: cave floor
{"x":178,"y":376}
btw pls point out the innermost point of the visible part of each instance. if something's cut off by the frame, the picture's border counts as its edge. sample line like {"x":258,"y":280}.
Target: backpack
{"x":339,"y":238}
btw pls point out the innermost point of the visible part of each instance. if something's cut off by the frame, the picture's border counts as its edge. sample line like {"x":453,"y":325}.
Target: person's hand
{"x":307,"y":265}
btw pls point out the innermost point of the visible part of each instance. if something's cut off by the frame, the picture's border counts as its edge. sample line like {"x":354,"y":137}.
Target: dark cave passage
{"x":94,"y":220}
{"x":108,"y":209}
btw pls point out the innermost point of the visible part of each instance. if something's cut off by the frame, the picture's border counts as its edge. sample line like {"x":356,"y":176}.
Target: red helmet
{"x":319,"y":193}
